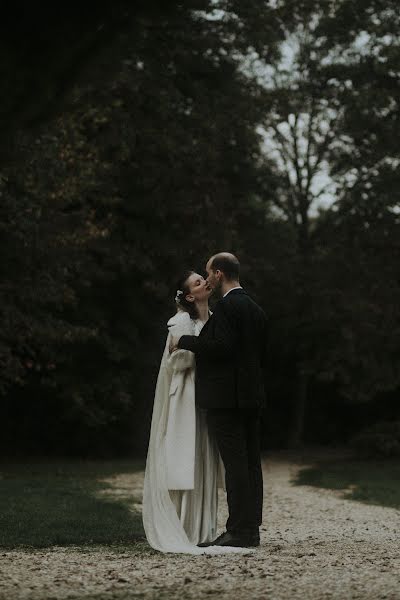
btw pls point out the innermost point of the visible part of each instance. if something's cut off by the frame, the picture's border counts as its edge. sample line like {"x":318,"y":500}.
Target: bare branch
{"x":308,"y":152}
{"x":296,"y":163}
{"x":321,"y":151}
{"x":283,"y":143}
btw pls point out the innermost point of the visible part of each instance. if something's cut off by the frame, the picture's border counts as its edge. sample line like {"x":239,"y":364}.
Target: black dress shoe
{"x":231,"y":539}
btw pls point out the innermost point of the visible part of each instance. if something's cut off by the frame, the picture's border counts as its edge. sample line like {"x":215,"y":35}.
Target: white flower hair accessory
{"x":179,"y":293}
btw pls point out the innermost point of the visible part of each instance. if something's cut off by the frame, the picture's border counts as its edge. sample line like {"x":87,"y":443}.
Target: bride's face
{"x":198,"y":287}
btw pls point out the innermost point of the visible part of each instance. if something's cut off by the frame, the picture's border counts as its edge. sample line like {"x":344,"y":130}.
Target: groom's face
{"x":213,"y":277}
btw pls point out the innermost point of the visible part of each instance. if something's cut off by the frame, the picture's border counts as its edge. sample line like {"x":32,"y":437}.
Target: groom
{"x":230,"y":363}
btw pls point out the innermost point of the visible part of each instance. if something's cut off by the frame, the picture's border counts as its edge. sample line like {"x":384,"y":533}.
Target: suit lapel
{"x":205,"y":326}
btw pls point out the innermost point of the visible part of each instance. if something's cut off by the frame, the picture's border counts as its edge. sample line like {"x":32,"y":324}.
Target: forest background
{"x":139,"y":138}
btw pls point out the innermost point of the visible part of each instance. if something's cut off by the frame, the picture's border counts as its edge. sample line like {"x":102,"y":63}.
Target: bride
{"x":183,"y":467}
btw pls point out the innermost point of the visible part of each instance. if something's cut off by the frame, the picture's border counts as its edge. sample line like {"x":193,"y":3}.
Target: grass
{"x":373,"y":482}
{"x":60,"y":503}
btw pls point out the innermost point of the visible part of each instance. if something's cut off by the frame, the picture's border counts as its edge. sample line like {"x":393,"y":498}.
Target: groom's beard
{"x":217,"y":291}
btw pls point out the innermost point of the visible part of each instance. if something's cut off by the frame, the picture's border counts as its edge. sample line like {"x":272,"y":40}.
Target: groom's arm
{"x":223,"y":343}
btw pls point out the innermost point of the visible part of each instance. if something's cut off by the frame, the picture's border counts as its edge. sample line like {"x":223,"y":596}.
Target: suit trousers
{"x":237,"y":433}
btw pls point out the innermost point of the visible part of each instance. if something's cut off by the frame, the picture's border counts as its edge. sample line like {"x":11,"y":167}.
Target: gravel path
{"x":314,"y":545}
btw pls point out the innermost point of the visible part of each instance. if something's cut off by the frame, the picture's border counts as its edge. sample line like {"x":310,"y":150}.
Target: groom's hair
{"x":228,"y":264}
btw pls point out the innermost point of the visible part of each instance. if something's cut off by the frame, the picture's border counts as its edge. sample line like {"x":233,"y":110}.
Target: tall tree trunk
{"x":296,"y":433}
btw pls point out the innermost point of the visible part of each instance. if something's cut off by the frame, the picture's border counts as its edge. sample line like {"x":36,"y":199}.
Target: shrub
{"x":382,"y":440}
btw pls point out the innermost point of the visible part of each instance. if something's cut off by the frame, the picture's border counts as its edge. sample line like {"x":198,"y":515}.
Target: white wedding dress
{"x":181,"y":453}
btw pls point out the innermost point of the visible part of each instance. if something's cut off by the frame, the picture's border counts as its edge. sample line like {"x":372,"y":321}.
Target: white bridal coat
{"x":183,"y":467}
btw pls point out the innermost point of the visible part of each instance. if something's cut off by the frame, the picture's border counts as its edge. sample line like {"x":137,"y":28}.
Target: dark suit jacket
{"x":231,"y":354}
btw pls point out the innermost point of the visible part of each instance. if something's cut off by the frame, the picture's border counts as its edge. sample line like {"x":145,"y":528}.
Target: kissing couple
{"x":205,"y":429}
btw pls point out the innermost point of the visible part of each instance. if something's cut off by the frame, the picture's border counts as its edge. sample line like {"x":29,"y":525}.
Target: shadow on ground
{"x":61,"y":503}
{"x":373,"y":482}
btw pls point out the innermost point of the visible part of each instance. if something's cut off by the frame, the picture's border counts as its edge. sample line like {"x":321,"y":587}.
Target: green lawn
{"x":48,"y":503}
{"x":374,"y":482}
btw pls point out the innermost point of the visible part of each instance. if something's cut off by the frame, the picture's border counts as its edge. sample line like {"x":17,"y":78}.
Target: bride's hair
{"x":182,"y":289}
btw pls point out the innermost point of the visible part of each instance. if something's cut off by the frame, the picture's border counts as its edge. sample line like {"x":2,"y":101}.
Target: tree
{"x":322,"y":134}
{"x":301,"y":129}
{"x":148,"y":163}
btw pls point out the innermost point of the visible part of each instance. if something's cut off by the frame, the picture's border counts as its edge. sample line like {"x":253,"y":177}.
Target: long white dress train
{"x":183,"y":467}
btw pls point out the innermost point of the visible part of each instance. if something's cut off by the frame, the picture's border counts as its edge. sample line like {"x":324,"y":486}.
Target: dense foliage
{"x":152,"y":135}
